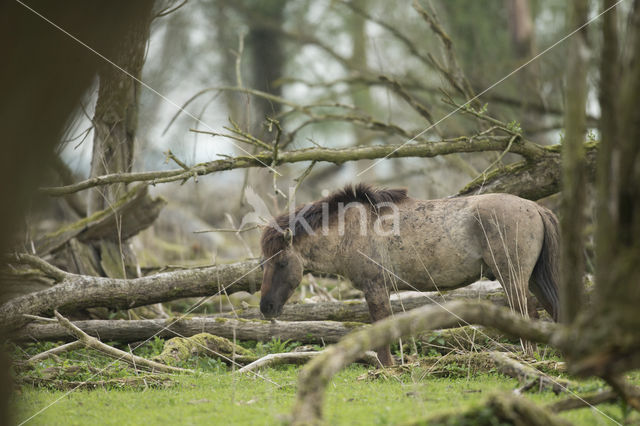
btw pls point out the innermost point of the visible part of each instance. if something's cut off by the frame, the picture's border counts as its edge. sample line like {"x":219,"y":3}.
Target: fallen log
{"x":125,"y":331}
{"x":357,"y":310}
{"x":76,"y":292}
{"x":139,"y":209}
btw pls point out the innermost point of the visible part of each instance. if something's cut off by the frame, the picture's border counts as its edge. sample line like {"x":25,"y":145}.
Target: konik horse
{"x":382,"y":239}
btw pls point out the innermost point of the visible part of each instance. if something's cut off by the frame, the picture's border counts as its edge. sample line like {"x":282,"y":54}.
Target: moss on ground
{"x":180,"y":349}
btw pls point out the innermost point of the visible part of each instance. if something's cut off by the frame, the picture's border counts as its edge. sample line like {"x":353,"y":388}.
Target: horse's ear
{"x":288,"y":236}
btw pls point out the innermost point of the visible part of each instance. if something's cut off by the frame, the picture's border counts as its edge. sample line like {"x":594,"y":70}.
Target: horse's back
{"x":443,"y":243}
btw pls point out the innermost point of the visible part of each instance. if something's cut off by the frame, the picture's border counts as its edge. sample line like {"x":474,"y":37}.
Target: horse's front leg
{"x":379,"y":307}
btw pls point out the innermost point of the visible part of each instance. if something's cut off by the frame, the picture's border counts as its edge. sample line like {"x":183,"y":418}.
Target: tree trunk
{"x":124,"y":331}
{"x":607,"y":341}
{"x":116,"y":114}
{"x":572,"y":217}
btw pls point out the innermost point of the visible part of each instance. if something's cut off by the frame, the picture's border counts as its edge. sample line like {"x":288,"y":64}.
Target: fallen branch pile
{"x":77,"y":292}
{"x":357,"y":310}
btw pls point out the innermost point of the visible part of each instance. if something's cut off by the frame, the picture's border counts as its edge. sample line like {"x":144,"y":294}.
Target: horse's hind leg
{"x":379,"y":308}
{"x":510,"y":247}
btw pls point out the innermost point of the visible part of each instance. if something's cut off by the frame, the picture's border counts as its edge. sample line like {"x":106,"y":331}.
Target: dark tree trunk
{"x":607,"y":339}
{"x":115,"y":122}
{"x":116,"y":113}
{"x":42,"y":79}
{"x":572,"y":218}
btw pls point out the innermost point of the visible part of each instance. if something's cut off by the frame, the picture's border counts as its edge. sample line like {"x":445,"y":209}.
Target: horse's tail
{"x":546,"y":273}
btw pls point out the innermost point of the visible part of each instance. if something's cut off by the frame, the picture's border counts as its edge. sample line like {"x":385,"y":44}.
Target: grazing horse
{"x":381,"y":239}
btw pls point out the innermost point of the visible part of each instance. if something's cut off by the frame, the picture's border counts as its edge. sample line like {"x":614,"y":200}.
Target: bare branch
{"x":46,"y":267}
{"x":279,"y":359}
{"x":56,"y":351}
{"x":337,"y":156}
{"x":454,"y":72}
{"x":135,"y":360}
{"x":396,"y":87}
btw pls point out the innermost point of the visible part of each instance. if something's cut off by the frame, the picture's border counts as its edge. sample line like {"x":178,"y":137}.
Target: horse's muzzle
{"x":269,"y":309}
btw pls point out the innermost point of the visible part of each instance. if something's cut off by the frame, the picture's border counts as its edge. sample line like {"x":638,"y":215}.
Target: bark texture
{"x":124,"y":218}
{"x":137,"y":330}
{"x":83,"y":291}
{"x":116,"y":114}
{"x":573,"y":218}
{"x":606,"y":339}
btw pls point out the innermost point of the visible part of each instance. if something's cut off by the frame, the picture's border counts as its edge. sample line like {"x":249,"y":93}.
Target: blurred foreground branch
{"x":317,"y":374}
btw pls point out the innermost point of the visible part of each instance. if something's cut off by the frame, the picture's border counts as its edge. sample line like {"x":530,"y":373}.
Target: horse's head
{"x":281,"y":275}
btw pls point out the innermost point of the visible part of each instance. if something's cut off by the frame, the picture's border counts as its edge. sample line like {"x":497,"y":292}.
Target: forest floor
{"x":214,"y":395}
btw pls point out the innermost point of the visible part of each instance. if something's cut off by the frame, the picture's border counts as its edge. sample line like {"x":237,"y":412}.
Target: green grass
{"x":220,"y":398}
{"x":215,"y":396}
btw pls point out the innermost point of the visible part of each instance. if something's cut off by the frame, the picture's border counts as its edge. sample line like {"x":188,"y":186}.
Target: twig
{"x":249,"y":228}
{"x":38,"y":263}
{"x":390,"y":28}
{"x":55,"y":351}
{"x":396,"y":87}
{"x":94,"y":343}
{"x":39,"y":318}
{"x":249,"y":137}
{"x":171,"y":156}
{"x":238,"y":136}
{"x":454,"y":72}
{"x":482,"y":115}
{"x":527,"y":375}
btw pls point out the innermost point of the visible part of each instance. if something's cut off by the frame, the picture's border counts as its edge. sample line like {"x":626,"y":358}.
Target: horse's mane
{"x":273,"y":238}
